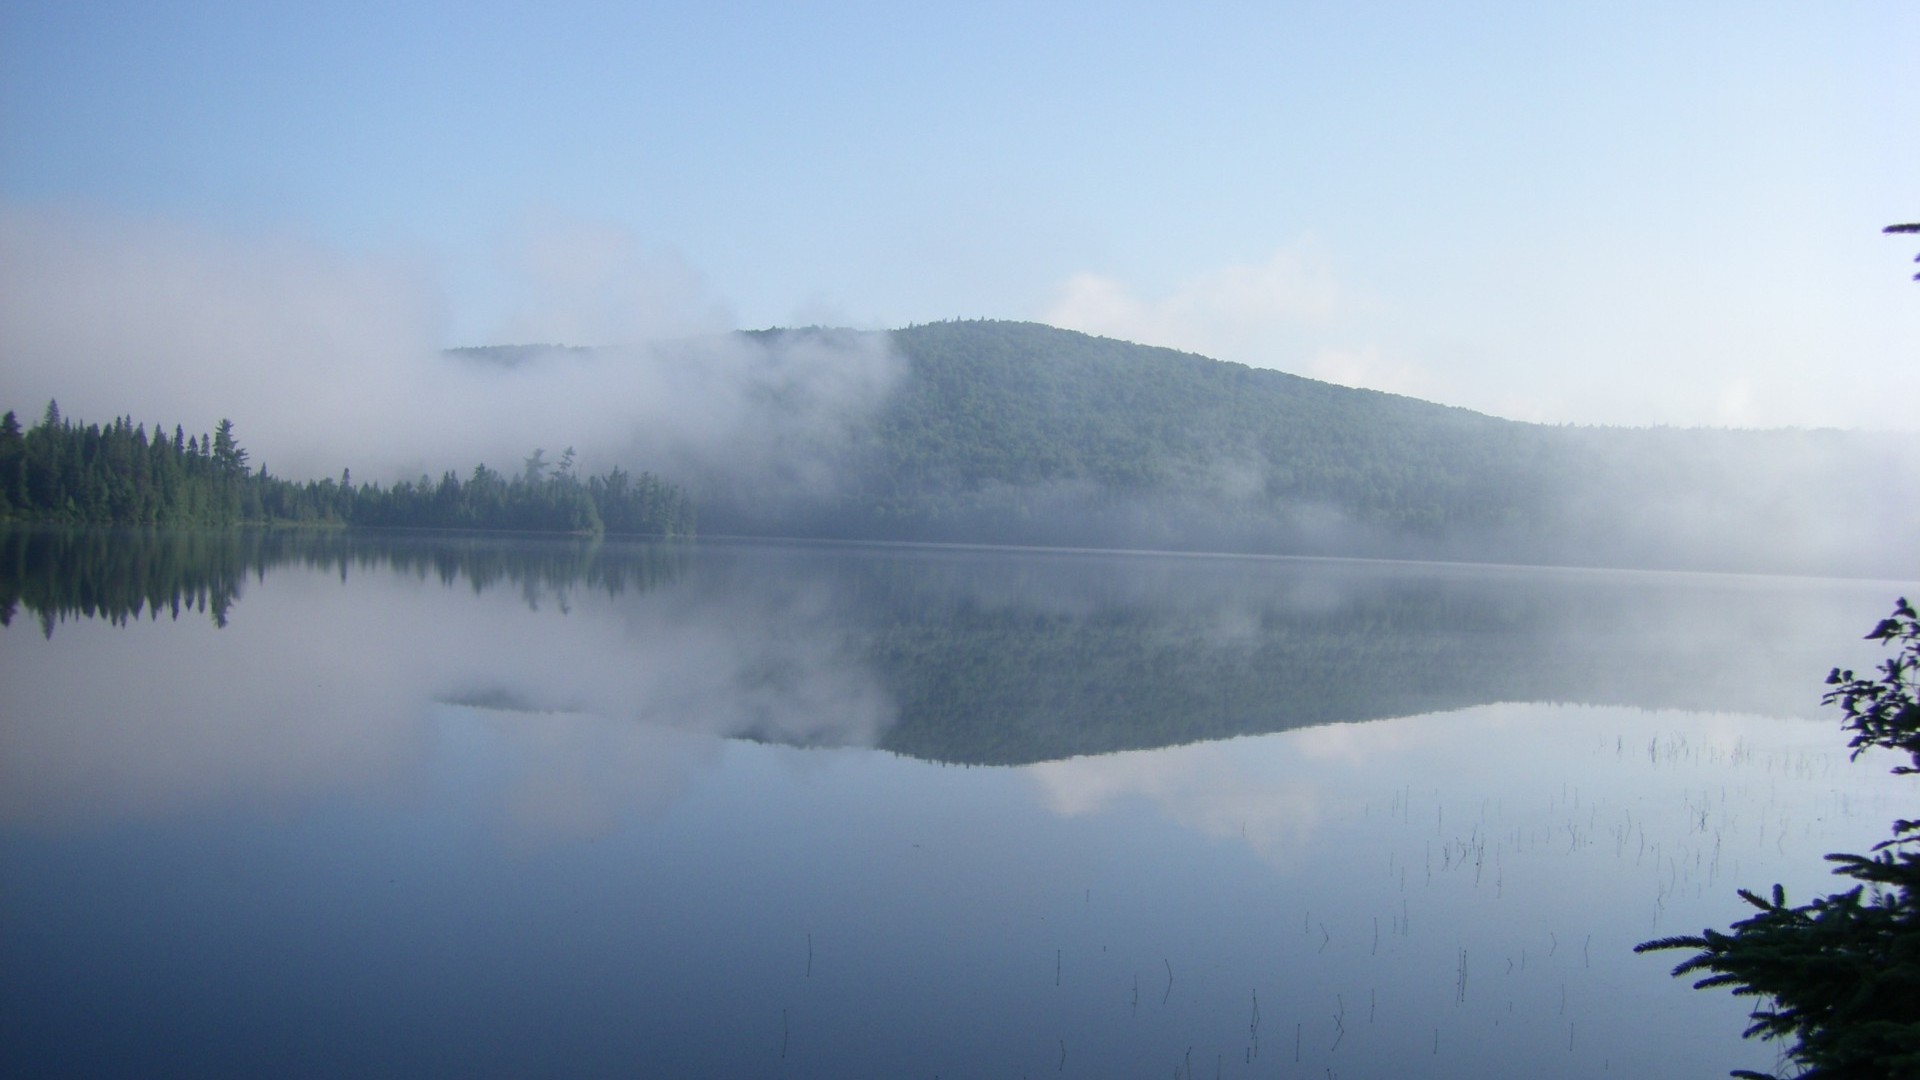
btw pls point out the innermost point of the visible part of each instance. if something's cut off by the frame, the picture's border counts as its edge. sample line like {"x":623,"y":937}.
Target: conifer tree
{"x":1840,"y":976}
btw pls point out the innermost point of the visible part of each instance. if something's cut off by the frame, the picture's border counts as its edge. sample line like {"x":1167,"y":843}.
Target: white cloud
{"x":1369,"y":367}
{"x":1289,"y":312}
{"x":1235,"y":312}
{"x":1528,"y":333}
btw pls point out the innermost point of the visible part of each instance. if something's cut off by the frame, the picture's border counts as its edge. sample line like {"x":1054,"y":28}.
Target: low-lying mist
{"x":983,"y":432}
{"x":611,"y":671}
{"x":326,"y":362}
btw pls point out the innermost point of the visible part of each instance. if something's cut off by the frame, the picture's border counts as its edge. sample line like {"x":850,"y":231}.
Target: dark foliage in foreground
{"x":1840,"y":976}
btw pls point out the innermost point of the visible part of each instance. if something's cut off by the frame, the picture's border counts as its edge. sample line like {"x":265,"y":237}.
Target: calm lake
{"x":280,"y":805}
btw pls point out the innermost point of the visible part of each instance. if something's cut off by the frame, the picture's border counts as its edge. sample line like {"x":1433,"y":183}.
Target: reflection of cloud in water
{"x":1319,"y":792}
{"x":1241,"y":788}
{"x":572,"y":776}
{"x":320,"y":687}
{"x":1273,"y":791}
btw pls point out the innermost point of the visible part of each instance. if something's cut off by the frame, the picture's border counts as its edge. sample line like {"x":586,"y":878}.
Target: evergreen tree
{"x":60,"y":472}
{"x":13,"y":467}
{"x":1840,"y":976}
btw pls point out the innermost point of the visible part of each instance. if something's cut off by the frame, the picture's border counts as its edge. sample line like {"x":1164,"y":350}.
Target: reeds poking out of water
{"x":1169,"y":994}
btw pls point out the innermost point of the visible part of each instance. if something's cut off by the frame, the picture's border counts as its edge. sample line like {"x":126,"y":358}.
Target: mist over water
{"x":412,"y":801}
{"x":971,"y":657}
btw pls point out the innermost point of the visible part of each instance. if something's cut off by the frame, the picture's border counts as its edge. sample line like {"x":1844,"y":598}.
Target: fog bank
{"x":327,"y":361}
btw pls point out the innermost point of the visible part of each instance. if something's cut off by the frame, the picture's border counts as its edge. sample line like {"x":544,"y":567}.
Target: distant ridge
{"x":1008,"y":420}
{"x":512,"y":355}
{"x":1018,"y":432}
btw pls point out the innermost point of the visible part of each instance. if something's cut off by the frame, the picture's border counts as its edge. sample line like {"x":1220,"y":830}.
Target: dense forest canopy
{"x":60,"y":471}
{"x":1023,"y":433}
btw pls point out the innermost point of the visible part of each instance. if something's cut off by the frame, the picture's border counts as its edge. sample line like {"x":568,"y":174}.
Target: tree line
{"x":120,"y":474}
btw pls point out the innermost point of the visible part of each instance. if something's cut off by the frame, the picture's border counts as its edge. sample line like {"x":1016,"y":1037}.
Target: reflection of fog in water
{"x":606,"y":699}
{"x":528,"y":815}
{"x":776,"y":663}
{"x":562,"y":776}
{"x":321,"y":684}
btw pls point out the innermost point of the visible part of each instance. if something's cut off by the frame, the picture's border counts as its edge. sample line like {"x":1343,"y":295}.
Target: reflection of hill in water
{"x":1004,"y":657}
{"x":1050,"y":658}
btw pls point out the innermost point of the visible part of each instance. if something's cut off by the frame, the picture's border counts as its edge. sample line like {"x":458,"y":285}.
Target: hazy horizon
{"x":1627,"y":217}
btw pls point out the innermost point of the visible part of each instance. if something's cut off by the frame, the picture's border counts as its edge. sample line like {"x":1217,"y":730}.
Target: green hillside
{"x":993,"y":406}
{"x":1021,"y":433}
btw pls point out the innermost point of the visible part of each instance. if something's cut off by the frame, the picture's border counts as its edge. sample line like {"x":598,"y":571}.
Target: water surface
{"x":325,"y":805}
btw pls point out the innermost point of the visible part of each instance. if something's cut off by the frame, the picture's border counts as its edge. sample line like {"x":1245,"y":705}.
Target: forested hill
{"x":1022,"y":433}
{"x":1017,"y":433}
{"x":1021,"y":417}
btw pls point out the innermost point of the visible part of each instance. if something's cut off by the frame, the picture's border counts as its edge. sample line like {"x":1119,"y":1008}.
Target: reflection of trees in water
{"x":125,"y":574}
{"x":995,"y":667}
{"x":1005,"y":657}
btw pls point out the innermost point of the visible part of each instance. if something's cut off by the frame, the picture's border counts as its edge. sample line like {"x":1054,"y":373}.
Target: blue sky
{"x":1608,"y":213}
